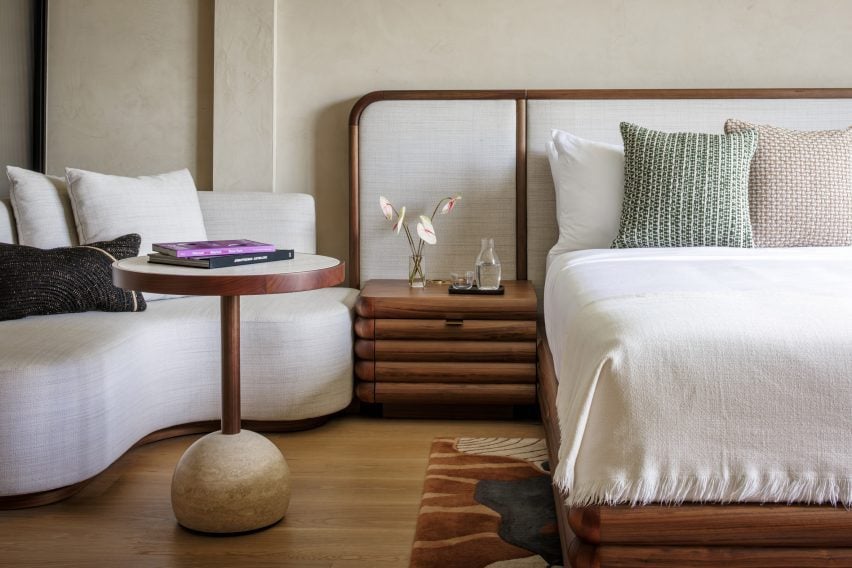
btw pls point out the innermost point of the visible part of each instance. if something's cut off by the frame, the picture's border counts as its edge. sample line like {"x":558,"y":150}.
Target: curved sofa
{"x":79,"y":390}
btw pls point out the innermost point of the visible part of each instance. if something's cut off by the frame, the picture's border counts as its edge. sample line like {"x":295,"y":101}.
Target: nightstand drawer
{"x":446,"y":393}
{"x":390,"y":299}
{"x":438,"y":372}
{"x":470,"y":329}
{"x":428,"y":346}
{"x":449,"y":351}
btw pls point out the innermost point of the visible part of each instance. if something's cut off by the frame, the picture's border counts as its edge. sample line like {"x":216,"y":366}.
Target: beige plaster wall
{"x":130,"y":86}
{"x":330,"y":52}
{"x":16,"y":71}
{"x":244,"y":95}
{"x":131,"y":81}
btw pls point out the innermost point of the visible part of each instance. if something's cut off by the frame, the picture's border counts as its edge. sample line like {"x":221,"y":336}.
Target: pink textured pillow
{"x":800,"y":186}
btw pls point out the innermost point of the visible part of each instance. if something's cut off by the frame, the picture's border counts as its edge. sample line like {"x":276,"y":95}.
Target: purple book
{"x":212,"y":248}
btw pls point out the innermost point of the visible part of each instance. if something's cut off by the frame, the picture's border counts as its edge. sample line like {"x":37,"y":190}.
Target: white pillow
{"x":42,"y":209}
{"x":589,"y":181}
{"x":160,"y":208}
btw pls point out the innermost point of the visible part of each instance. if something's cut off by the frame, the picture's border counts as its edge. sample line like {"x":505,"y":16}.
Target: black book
{"x":222,"y":261}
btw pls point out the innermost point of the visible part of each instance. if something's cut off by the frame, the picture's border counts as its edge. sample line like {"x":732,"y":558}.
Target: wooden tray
{"x":477,"y":292}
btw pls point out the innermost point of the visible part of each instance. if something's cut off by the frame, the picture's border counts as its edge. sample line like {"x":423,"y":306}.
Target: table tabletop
{"x":304,"y":272}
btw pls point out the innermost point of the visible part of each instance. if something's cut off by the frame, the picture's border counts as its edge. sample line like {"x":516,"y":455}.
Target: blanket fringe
{"x":675,"y":490}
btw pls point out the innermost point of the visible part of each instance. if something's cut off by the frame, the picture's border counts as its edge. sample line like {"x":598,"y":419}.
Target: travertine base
{"x":230,"y":483}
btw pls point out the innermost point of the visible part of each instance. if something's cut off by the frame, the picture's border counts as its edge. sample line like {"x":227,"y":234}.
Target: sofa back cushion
{"x":7,"y":223}
{"x":160,"y":208}
{"x":286,"y":220}
{"x":42,"y":209}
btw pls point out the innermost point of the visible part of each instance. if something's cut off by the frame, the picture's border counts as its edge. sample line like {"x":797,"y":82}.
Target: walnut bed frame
{"x":490,"y":143}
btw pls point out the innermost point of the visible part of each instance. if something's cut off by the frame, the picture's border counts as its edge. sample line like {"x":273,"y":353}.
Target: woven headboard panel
{"x":415,"y":152}
{"x":414,"y":146}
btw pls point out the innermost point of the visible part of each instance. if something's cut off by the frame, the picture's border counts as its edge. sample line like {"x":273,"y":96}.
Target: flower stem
{"x":437,"y":206}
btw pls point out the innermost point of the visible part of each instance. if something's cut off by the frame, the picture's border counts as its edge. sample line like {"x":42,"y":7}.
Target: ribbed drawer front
{"x":446,"y":393}
{"x":475,"y":330}
{"x":426,"y":346}
{"x":439,"y":372}
{"x":450,"y":351}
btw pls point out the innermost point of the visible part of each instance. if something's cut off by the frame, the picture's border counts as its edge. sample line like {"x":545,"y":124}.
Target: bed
{"x":489,"y":145}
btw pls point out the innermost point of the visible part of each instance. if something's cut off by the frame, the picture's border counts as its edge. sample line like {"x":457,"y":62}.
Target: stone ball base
{"x":230,"y":483}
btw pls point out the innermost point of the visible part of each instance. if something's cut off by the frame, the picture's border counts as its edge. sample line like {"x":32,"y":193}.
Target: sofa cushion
{"x":7,"y":222}
{"x":93,"y":384}
{"x":287,"y":220}
{"x":65,"y":280}
{"x":161,"y":208}
{"x":42,"y":209}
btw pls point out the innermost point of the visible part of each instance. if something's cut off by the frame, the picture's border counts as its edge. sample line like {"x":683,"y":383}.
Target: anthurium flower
{"x":450,"y":204}
{"x":426,"y":231}
{"x":398,"y":225}
{"x":387,"y":208}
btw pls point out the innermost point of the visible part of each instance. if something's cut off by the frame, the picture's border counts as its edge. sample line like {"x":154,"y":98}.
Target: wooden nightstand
{"x":426,"y":346}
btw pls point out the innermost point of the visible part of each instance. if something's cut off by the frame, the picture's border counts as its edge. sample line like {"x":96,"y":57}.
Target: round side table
{"x":232,"y":480}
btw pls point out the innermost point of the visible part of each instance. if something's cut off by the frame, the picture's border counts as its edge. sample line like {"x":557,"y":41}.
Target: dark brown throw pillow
{"x":65,"y":280}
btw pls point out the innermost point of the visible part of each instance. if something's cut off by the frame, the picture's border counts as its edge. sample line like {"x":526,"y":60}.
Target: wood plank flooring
{"x":356,"y":491}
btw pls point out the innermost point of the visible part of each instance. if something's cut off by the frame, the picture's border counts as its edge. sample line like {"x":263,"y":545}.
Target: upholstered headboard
{"x":417,"y":146}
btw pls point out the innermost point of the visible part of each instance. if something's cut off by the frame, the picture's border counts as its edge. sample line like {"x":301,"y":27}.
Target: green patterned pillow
{"x":685,"y":189}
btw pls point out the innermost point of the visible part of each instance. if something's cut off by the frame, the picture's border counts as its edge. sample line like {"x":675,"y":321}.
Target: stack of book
{"x":217,"y":254}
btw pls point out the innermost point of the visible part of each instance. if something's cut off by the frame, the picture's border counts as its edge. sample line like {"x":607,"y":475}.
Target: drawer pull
{"x":454,"y":322}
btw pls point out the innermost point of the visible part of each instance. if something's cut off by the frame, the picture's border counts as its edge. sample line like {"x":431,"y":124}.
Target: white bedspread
{"x":703,"y":374}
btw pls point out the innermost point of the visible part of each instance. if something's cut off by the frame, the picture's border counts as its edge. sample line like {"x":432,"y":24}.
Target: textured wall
{"x":130,"y":86}
{"x":131,"y":81}
{"x":15,"y":86}
{"x":244,"y":95}
{"x":332,"y":51}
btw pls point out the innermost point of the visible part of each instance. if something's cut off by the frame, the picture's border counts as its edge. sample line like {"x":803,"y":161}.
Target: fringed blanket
{"x":703,"y":374}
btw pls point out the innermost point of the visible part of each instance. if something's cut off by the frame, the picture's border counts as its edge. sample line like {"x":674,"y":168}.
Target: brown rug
{"x":487,"y":502}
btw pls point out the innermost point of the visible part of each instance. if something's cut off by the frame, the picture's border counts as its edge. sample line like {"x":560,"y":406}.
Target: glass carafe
{"x":488,"y":270}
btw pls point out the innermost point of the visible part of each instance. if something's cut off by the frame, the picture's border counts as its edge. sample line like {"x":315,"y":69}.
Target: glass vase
{"x":416,"y":271}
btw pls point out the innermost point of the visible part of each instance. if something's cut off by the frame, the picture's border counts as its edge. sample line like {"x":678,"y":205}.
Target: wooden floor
{"x":356,"y":492}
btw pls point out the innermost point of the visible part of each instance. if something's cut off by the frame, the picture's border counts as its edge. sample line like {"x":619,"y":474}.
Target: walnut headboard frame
{"x":786,"y":107}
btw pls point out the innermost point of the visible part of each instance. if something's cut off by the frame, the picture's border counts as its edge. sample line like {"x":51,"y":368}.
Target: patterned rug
{"x":487,"y":502}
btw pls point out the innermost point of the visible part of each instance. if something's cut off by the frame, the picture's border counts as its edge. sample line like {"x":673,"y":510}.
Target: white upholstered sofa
{"x":78,"y":390}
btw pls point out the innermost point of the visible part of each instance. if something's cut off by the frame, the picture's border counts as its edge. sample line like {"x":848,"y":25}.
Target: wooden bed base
{"x":690,"y":534}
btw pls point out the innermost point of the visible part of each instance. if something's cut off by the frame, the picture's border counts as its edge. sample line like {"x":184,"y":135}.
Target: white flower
{"x":387,"y":208}
{"x":426,"y":231}
{"x":450,"y":204}
{"x":398,"y":226}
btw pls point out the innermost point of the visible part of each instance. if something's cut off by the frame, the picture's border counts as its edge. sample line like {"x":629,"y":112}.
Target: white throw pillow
{"x":42,"y":209}
{"x":161,"y":208}
{"x":589,"y":181}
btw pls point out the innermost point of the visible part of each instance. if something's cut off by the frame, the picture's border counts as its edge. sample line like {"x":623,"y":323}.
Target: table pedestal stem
{"x":234,"y":480}
{"x":230,"y":364}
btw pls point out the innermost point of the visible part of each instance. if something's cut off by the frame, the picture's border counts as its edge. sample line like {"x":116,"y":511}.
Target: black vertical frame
{"x":39,"y":107}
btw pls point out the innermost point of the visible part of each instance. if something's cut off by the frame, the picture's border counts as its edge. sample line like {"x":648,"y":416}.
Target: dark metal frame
{"x":39,"y":87}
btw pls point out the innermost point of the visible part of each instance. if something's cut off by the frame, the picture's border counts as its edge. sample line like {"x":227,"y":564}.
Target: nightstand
{"x":426,"y":346}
